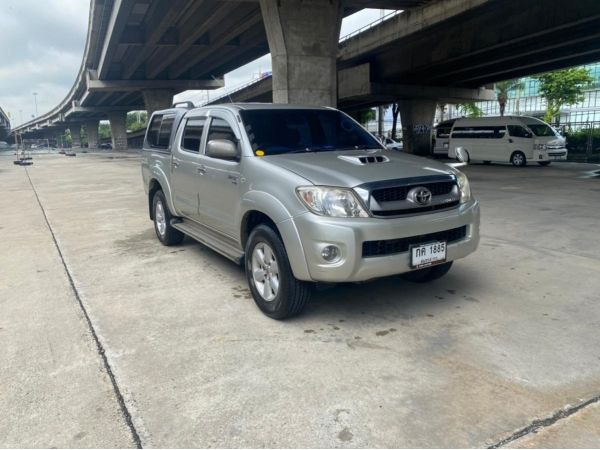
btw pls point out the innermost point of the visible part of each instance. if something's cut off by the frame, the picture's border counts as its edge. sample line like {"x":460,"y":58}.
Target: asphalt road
{"x":109,"y":339}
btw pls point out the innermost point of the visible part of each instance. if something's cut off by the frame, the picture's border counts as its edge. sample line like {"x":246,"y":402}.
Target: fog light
{"x":330,"y":253}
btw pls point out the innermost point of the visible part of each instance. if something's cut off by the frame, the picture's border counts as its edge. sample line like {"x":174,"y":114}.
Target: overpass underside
{"x":141,"y":52}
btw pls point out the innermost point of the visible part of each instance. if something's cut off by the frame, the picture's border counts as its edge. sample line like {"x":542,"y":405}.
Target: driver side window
{"x":518,"y":131}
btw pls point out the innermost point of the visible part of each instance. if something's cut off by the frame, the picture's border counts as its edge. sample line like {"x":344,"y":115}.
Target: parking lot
{"x":109,"y":339}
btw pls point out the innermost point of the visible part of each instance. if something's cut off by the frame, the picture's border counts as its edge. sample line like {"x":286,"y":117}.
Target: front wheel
{"x":274,"y":288}
{"x":544,"y":163}
{"x":428,"y":274}
{"x":518,"y":159}
{"x":165,"y":233}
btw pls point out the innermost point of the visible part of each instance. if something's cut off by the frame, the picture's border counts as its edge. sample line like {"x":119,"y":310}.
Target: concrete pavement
{"x":507,"y":337}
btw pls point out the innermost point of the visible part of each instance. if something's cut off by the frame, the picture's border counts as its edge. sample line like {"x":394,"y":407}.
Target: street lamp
{"x":35,"y":101}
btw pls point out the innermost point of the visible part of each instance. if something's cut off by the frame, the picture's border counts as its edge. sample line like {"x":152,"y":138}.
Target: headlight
{"x":331,"y":201}
{"x":464,"y":186}
{"x":542,"y":146}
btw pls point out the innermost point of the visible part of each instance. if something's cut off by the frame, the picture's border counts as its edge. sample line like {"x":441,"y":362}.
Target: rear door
{"x":220,"y":187}
{"x":185,"y":175}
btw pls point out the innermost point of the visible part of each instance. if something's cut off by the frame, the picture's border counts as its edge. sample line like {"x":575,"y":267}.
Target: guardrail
{"x":370,"y":25}
{"x":239,"y":87}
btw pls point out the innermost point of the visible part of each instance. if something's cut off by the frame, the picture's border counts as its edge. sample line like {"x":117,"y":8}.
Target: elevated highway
{"x":4,"y":125}
{"x":139,"y":53}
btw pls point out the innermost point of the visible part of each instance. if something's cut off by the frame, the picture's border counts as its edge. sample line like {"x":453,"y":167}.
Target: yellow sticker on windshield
{"x":259,"y":153}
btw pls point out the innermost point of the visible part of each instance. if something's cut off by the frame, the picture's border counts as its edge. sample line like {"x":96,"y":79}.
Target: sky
{"x":42,"y":44}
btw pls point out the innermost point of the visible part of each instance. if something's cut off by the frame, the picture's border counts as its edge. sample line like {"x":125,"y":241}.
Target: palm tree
{"x":503,"y":88}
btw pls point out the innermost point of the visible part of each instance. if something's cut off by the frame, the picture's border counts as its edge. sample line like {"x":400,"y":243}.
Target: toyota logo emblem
{"x":419,"y":195}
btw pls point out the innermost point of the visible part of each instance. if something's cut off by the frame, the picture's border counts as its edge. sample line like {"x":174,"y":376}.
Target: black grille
{"x":394,"y":194}
{"x":393,"y":246}
{"x":400,"y":212}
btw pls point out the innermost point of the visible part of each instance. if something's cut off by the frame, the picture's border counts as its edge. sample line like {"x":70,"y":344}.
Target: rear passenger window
{"x":192,"y":135}
{"x":491,"y":132}
{"x":518,"y":131}
{"x":220,"y":129}
{"x":152,"y":136}
{"x":164,"y":134}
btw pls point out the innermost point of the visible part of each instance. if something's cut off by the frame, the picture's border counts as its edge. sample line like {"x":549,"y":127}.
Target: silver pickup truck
{"x":301,"y":195}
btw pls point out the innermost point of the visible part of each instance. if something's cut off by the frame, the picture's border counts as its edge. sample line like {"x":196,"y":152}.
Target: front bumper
{"x":316,"y":232}
{"x":559,"y":154}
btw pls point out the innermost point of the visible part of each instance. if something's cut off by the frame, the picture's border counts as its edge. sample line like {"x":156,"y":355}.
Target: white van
{"x":515,"y":139}
{"x":441,"y":137}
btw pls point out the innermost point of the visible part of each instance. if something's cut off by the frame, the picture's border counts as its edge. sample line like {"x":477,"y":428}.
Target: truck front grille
{"x":398,"y":193}
{"x":393,"y":246}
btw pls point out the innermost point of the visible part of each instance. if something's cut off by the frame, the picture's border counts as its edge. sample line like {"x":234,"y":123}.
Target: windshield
{"x":278,"y":131}
{"x":541,"y":129}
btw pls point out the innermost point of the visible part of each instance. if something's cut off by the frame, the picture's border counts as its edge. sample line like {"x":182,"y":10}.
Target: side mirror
{"x":222,"y":149}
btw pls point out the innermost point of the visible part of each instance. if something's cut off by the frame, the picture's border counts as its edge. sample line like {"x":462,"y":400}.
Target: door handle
{"x":174,"y":164}
{"x":233,"y":179}
{"x":510,"y":141}
{"x":201,"y":170}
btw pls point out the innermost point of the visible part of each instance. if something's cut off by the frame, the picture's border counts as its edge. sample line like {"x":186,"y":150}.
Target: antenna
{"x":228,"y":96}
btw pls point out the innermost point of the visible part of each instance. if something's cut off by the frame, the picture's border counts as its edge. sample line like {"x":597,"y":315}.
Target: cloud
{"x":41,"y":48}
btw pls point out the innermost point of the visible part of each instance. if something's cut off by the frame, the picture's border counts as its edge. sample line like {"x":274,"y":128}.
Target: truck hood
{"x":355,"y":167}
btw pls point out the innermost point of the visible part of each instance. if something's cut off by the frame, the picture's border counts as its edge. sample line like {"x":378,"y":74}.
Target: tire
{"x":428,"y":274}
{"x":518,"y":159}
{"x":165,"y":233}
{"x":275,"y":290}
{"x":544,"y":163}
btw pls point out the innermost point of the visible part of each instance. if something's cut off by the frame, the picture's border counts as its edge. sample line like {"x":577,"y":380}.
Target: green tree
{"x":503,"y":89}
{"x":469,"y":110}
{"x":363,"y":116}
{"x":104,"y":131}
{"x":68,"y":138}
{"x":395,"y":113}
{"x":561,"y":88}
{"x":137,"y":120}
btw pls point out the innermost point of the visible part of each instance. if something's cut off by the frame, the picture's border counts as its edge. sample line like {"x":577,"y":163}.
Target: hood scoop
{"x":364,"y":160}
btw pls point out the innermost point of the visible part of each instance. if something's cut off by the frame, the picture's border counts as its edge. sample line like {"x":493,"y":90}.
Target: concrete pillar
{"x":157,"y":99}
{"x":416,"y":117}
{"x":303,"y":38}
{"x":75,"y":129}
{"x":91,"y":129}
{"x":59,"y":135}
{"x":118,"y":129}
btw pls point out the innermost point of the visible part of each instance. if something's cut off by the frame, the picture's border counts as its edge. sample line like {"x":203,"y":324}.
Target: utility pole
{"x":35,"y":94}
{"x":380,"y":109}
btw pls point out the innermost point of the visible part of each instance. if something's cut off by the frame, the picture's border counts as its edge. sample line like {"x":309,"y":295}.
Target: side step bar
{"x":219,"y":243}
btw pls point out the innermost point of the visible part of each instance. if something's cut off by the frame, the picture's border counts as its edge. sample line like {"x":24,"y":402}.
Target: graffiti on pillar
{"x":421,"y":129}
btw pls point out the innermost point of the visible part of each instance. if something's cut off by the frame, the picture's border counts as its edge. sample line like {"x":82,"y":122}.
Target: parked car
{"x":514,"y":139}
{"x":105,"y":146}
{"x":302,"y":195}
{"x":391,"y":144}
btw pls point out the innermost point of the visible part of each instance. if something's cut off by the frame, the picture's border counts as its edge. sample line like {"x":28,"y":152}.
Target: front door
{"x":186,"y":169}
{"x":220,"y":188}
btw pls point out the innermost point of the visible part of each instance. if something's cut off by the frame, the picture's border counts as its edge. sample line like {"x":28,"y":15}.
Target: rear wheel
{"x":518,"y":159}
{"x":544,"y":163}
{"x":274,"y":288}
{"x":165,"y":233}
{"x":428,"y":274}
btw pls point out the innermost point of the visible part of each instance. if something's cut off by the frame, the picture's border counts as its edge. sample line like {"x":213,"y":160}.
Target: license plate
{"x":424,"y":255}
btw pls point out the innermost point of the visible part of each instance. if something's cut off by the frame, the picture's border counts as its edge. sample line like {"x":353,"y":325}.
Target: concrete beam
{"x":303,"y":39}
{"x":157,"y":99}
{"x":355,"y":85}
{"x":94,"y":84}
{"x":91,"y":129}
